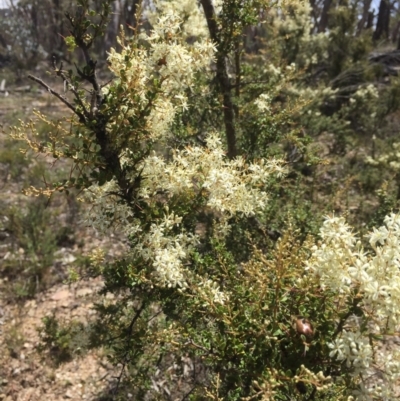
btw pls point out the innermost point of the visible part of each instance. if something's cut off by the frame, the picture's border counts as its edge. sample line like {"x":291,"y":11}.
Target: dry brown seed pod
{"x":303,"y":326}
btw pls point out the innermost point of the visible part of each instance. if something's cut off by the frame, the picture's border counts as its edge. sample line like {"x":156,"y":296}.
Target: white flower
{"x":378,"y":236}
{"x":353,"y":348}
{"x":343,"y":266}
{"x":263,"y":102}
{"x":212,"y":292}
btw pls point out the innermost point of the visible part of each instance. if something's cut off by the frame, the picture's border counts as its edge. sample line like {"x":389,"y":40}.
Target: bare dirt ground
{"x":25,"y":375}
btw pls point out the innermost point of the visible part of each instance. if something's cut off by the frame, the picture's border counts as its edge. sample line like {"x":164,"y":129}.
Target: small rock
{"x":84,"y":292}
{"x":30,"y":304}
{"x":60,"y":295}
{"x":31,"y":312}
{"x":68,"y":259}
{"x":75,"y":305}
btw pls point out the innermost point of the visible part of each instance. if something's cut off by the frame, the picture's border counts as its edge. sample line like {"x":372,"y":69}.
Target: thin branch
{"x":125,"y":362}
{"x":207,"y":351}
{"x":188,"y":393}
{"x":57,"y":95}
{"x":59,"y":72}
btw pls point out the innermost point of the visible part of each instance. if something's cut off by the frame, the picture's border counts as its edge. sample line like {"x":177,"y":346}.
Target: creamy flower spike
{"x":190,"y":11}
{"x":342,"y":266}
{"x":230,"y":186}
{"x":171,"y":61}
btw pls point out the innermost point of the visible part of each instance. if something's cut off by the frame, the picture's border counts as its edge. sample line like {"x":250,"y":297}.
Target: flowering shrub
{"x":210,"y":303}
{"x":370,"y":282}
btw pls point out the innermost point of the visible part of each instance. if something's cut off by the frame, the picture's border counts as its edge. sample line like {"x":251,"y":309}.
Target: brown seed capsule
{"x":303,"y":326}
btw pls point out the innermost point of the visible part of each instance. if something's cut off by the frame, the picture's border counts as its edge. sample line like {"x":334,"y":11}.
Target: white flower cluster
{"x":273,"y":70}
{"x":364,"y":99}
{"x":211,"y":291}
{"x":165,"y":251}
{"x":193,"y":21}
{"x":263,"y":102}
{"x":390,"y":159}
{"x":315,"y":95}
{"x":191,"y":13}
{"x":297,"y":24}
{"x":167,"y":59}
{"x":353,"y":348}
{"x":231,"y":186}
{"x":374,"y":279}
{"x":365,"y":93}
{"x":319,"y":380}
{"x":331,"y":259}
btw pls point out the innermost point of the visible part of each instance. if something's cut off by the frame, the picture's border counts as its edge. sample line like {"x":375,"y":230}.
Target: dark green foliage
{"x":32,"y":241}
{"x":62,"y":342}
{"x":13,"y":163}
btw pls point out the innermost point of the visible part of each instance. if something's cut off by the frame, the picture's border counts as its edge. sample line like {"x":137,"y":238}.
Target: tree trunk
{"x":395,"y":32}
{"x":323,"y":22}
{"x":370,"y":20}
{"x":364,"y":16}
{"x":223,"y":79}
{"x":382,"y":25}
{"x":398,"y":44}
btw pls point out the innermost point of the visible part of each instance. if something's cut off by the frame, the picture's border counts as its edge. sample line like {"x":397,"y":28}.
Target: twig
{"x":59,"y":72}
{"x":57,"y":95}
{"x":191,"y":342}
{"x":188,"y":393}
